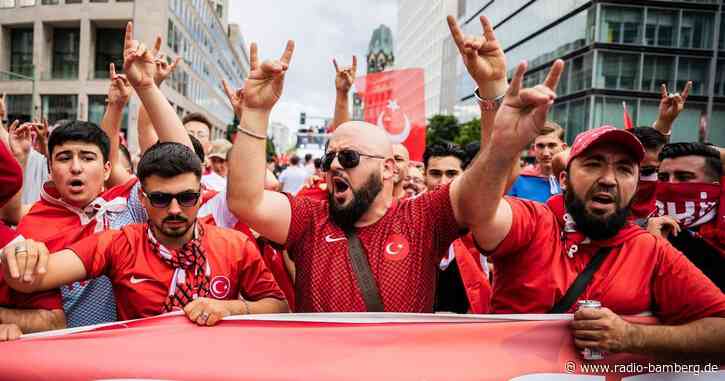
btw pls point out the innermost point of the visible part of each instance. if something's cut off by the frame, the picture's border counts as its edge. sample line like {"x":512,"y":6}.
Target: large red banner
{"x":395,"y":101}
{"x":328,"y":347}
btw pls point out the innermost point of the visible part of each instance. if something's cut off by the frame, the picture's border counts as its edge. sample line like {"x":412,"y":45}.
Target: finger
{"x":43,"y":256}
{"x":157,"y":46}
{"x":13,"y":126}
{"x":30,"y":263}
{"x":173,"y":64}
{"x":663,"y":90}
{"x":11,"y":262}
{"x":348,"y":77}
{"x":678,"y":99}
{"x":253,"y":56}
{"x":588,"y":314}
{"x":22,"y":260}
{"x":213,"y":319}
{"x":518,"y":79}
{"x":112,"y":69}
{"x":203,"y":318}
{"x":354,"y":64}
{"x":595,"y":335}
{"x":552,"y":79}
{"x":587,"y":325}
{"x":334,"y":63}
{"x":288,"y":51}
{"x":14,"y":332}
{"x":456,"y":32}
{"x":140,"y":50}
{"x":584,"y":344}
{"x":128,"y":39}
{"x":271,"y":66}
{"x":534,"y":97}
{"x":686,"y":90}
{"x":487,"y":28}
{"x":189,"y":307}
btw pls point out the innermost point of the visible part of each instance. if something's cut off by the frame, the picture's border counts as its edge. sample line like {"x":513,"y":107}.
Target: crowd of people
{"x":622,"y":217}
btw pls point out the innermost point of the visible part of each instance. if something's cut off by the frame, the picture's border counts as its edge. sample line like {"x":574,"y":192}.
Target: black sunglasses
{"x":162,"y":200}
{"x":348,"y":158}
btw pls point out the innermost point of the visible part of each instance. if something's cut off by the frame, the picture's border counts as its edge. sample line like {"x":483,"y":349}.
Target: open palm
{"x":263,"y":88}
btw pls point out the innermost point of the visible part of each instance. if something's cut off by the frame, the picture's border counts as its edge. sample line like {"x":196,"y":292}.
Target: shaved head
{"x":363,"y":135}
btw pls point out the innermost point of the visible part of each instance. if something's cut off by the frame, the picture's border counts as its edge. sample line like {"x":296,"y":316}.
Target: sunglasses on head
{"x":162,"y":200}
{"x":347,"y":158}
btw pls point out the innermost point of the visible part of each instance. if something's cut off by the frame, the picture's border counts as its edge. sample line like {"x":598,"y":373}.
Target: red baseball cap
{"x":606,"y":134}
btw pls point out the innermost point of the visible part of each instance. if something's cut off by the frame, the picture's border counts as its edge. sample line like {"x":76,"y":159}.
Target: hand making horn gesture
{"x":265,"y":83}
{"x":483,"y":57}
{"x":522,"y":115}
{"x":345,"y":76}
{"x":671,"y":105}
{"x":236,"y":98}
{"x":120,"y":90}
{"x":138,"y":62}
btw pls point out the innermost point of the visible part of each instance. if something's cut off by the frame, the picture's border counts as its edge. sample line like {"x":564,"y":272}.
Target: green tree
{"x":271,"y":150}
{"x":441,"y":129}
{"x":469,"y":132}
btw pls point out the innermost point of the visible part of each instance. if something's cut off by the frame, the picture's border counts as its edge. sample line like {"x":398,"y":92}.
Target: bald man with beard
{"x":402,"y":164}
{"x":400,"y":242}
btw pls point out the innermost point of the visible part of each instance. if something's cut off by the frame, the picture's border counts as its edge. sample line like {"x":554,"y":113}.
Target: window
{"x":66,"y":46}
{"x":696,"y":30}
{"x":20,"y":107}
{"x":27,"y":3}
{"x":581,"y":73}
{"x":695,"y":70}
{"x":49,"y":2}
{"x":720,"y":78}
{"x":618,"y":71}
{"x":656,"y":71}
{"x":21,"y":51}
{"x":73,"y":1}
{"x":610,"y":110}
{"x":57,"y":107}
{"x":621,"y":25}
{"x":97,"y":107}
{"x":109,"y":48}
{"x":7,"y":3}
{"x":660,"y":28}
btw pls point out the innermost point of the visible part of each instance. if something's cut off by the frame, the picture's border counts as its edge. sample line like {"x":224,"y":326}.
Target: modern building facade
{"x":615,"y":52}
{"x":69,"y":44}
{"x":421,"y":42}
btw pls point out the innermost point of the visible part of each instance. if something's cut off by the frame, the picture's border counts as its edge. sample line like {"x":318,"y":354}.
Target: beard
{"x":345,"y":216}
{"x":173,"y":233}
{"x":595,"y":227}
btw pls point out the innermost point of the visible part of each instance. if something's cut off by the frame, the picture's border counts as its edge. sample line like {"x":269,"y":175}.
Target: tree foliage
{"x":442,"y":129}
{"x":469,"y":132}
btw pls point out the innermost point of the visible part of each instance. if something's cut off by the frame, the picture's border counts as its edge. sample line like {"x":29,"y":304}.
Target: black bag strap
{"x":361,"y":267}
{"x":581,"y":282}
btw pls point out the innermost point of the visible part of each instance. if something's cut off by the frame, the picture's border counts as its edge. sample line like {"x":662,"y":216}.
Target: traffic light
{"x":303,"y":118}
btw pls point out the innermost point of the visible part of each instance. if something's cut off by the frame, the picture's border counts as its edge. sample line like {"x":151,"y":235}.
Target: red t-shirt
{"x":11,"y":174}
{"x":644,"y":273}
{"x":403,"y":250}
{"x":10,"y":298}
{"x":141,"y":278}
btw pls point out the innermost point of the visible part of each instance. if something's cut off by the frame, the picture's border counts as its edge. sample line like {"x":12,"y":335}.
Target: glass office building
{"x":615,"y":52}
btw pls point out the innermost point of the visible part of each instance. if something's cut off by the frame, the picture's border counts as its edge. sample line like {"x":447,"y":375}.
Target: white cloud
{"x":321,"y":29}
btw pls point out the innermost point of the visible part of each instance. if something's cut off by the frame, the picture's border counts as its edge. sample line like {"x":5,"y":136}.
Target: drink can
{"x":587,"y":353}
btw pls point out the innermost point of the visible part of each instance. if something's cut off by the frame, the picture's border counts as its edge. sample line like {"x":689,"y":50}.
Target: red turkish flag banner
{"x":329,"y":347}
{"x":395,"y":101}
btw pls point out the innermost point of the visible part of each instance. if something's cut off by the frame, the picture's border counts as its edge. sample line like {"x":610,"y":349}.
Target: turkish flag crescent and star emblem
{"x":395,"y":101}
{"x":396,"y":248}
{"x":219,"y":287}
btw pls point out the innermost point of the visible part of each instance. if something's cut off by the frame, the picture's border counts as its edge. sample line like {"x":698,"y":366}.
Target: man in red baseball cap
{"x":544,"y":253}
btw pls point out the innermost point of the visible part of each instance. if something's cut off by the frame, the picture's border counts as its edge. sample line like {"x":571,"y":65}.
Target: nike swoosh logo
{"x":135,"y":280}
{"x":328,"y":238}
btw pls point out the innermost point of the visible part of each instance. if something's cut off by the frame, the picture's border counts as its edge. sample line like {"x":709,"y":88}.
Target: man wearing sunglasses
{"x":172,"y":262}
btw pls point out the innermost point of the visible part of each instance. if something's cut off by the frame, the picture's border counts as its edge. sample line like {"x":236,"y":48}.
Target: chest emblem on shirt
{"x":219,"y":287}
{"x":396,"y":248}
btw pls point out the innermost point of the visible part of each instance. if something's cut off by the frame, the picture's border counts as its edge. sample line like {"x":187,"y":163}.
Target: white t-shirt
{"x":293,"y":179}
{"x":214,"y":181}
{"x":34,"y":176}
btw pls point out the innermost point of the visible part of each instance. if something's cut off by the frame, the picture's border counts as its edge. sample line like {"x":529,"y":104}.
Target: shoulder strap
{"x":581,"y":282}
{"x":361,"y":267}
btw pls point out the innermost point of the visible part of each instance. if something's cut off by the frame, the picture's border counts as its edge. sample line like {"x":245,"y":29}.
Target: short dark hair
{"x":308,"y":157}
{"x":79,"y":131}
{"x":167,"y":160}
{"x":294,"y":160}
{"x":713,"y":163}
{"x":650,"y":138}
{"x":442,"y":150}
{"x":555,"y":128}
{"x":318,"y":163}
{"x":198,"y":148}
{"x":197,"y":117}
{"x":471,"y":149}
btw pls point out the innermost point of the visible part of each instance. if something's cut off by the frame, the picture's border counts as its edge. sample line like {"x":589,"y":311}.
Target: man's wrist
{"x":146,"y":89}
{"x":635,"y":337}
{"x":492,"y":89}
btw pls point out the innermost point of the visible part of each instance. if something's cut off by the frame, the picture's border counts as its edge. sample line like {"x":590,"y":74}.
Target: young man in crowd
{"x":443,"y":162}
{"x":21,"y":313}
{"x":402,"y":163}
{"x":172,"y":262}
{"x":414,"y":182}
{"x":217,"y":179}
{"x":76,"y":203}
{"x":402,"y":242}
{"x":198,"y":126}
{"x":643,"y":204}
{"x":538,"y":183}
{"x":690,"y":212}
{"x":293,"y":178}
{"x":538,"y":252}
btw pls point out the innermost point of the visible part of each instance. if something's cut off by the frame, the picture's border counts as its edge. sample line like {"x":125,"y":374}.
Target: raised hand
{"x":40,"y":143}
{"x":138,"y":62}
{"x":522,"y":115}
{"x":264,"y":86}
{"x":20,"y":139}
{"x":671,"y":105}
{"x":236,"y":98}
{"x":120,"y":90}
{"x":345,"y":76}
{"x":164,"y":68}
{"x":483,"y":57}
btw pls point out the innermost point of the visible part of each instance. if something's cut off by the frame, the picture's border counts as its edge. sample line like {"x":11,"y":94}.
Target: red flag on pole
{"x":628,"y":124}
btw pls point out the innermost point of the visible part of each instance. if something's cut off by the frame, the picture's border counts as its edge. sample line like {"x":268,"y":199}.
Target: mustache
{"x":612,"y":191}
{"x":175,"y":218}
